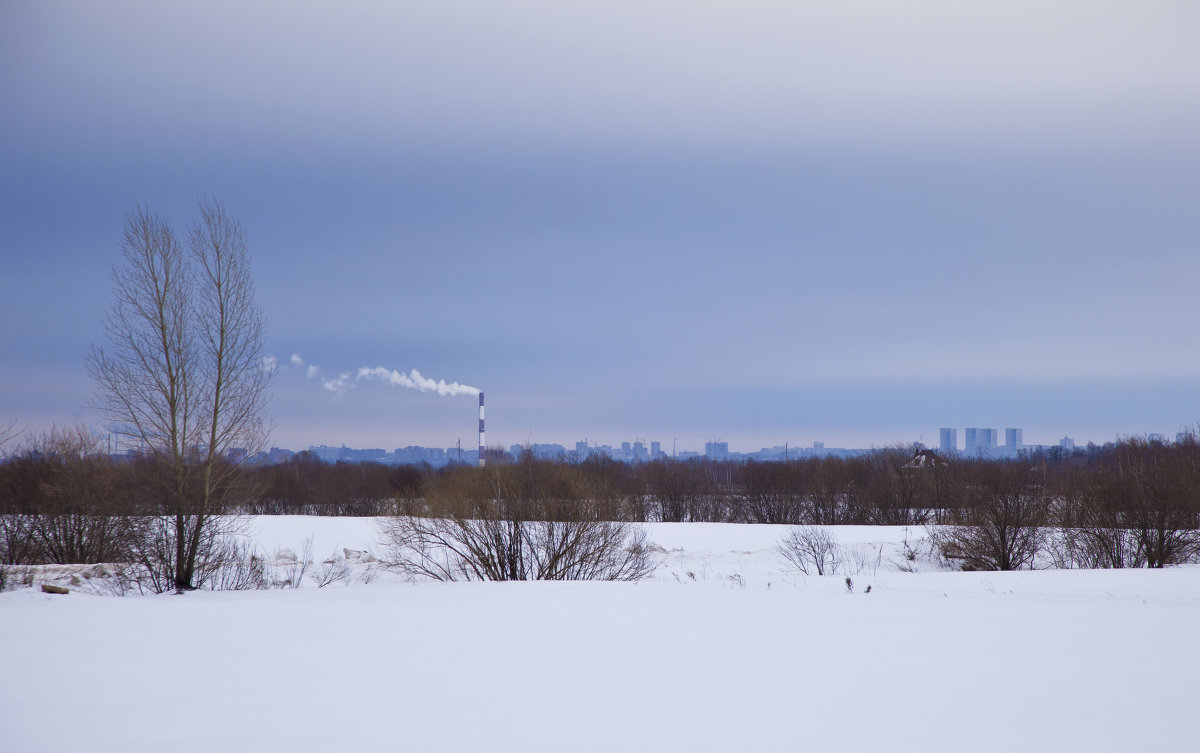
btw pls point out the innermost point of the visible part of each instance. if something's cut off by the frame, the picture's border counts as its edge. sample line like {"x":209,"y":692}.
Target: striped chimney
{"x":481,"y":445}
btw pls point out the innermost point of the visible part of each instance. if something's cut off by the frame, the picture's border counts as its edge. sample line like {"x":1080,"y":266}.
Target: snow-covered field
{"x":720,"y":651}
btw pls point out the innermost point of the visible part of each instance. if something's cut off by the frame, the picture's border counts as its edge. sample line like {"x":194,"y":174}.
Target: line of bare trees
{"x":64,"y":500}
{"x":877,"y":489}
{"x":1135,"y":504}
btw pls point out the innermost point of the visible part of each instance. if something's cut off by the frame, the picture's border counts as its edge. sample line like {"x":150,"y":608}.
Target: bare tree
{"x":1154,"y":488}
{"x":677,"y":491}
{"x":1002,"y":525}
{"x":772,"y":492}
{"x":1093,"y":530}
{"x":828,"y":490}
{"x":891,"y":490}
{"x":8,"y":432}
{"x":183,"y":375}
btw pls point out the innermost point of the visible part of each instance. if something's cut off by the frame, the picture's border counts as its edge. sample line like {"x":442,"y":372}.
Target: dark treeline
{"x":1132,"y":503}
{"x":64,"y":501}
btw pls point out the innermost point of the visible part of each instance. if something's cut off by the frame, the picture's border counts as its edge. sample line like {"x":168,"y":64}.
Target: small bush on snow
{"x":809,"y":549}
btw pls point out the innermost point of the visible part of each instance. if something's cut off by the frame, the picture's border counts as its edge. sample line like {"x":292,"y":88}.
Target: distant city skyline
{"x":643,"y":449}
{"x":696,"y":443}
{"x":760,"y":223}
{"x":981,"y":442}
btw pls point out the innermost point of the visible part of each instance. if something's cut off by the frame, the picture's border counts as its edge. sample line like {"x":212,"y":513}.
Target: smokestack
{"x":481,"y":445}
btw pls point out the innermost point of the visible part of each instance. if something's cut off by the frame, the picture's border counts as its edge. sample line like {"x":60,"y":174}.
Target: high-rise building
{"x":716,"y":450}
{"x":639,"y":452}
{"x":1067,"y":444}
{"x":1013,"y":440}
{"x":327,"y":454}
{"x":363,"y":456}
{"x":980,"y":442}
{"x":655,"y":450}
{"x":948,"y":443}
{"x":277,"y":455}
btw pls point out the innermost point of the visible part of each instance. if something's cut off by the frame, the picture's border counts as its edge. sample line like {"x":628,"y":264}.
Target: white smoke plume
{"x":414,"y":380}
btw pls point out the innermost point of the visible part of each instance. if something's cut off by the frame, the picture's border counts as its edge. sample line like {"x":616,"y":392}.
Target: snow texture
{"x":721,"y":651}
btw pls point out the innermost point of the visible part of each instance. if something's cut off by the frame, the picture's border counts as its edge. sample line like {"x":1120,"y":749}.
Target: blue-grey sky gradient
{"x":762,"y":221}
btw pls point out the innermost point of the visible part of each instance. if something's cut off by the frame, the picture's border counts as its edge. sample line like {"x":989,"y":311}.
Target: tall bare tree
{"x":183,"y":375}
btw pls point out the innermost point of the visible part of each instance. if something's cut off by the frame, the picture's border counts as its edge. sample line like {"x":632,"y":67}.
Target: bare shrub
{"x":369,"y":574}
{"x":910,"y":552}
{"x":810,"y":548}
{"x":238,"y":567}
{"x":333,"y":570}
{"x":1096,"y":547}
{"x":294,"y":567}
{"x":127,"y":578}
{"x":856,"y":561}
{"x":525,"y":521}
{"x":495,"y":549}
{"x":17,"y":544}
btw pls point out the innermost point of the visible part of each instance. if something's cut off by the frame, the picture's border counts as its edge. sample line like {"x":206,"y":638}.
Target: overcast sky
{"x":767,"y":222}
